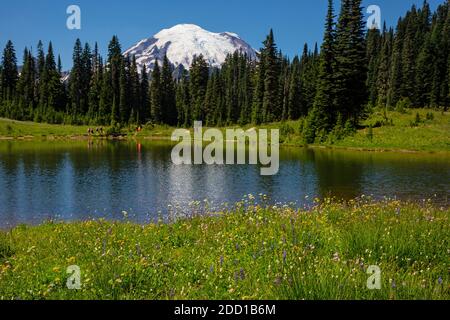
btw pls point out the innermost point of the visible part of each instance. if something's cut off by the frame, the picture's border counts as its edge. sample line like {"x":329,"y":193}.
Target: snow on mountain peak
{"x":183,"y":42}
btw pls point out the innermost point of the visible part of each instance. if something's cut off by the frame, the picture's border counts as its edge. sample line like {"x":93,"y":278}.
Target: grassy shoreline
{"x":250,"y":252}
{"x":402,"y":134}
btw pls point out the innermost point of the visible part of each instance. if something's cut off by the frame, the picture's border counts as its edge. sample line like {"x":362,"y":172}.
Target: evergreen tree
{"x":20,"y":89}
{"x":40,"y":59}
{"x":55,"y":89}
{"x":44,"y":80}
{"x":95,"y":112}
{"x":309,"y":68}
{"x":344,"y":64}
{"x":25,"y":86}
{"x":424,"y":75}
{"x":320,"y":118}
{"x":124,"y":110}
{"x":230,"y":76}
{"x":284,"y":87}
{"x":156,"y":96}
{"x":219,"y":98}
{"x":294,"y":97}
{"x":86,"y":77}
{"x":351,"y":65}
{"x":258,"y":95}
{"x":9,"y":72}
{"x":107,"y":114}
{"x":199,"y":74}
{"x":115,"y":63}
{"x":209,"y":99}
{"x":96,"y":59}
{"x":409,"y":55}
{"x":59,"y":65}
{"x":134,"y":91}
{"x":384,"y":68}
{"x":395,"y":81}
{"x":245,"y":94}
{"x":168,"y":103}
{"x":271,"y":110}
{"x":440,"y":39}
{"x":373,"y":58}
{"x":183,"y":99}
{"x":75,"y":81}
{"x":358,"y":87}
{"x":144,"y":109}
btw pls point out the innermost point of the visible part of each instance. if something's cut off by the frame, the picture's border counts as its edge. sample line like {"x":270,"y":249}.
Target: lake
{"x":77,"y":180}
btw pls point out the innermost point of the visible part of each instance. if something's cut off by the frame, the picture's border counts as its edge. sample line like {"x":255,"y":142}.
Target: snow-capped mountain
{"x":183,"y":42}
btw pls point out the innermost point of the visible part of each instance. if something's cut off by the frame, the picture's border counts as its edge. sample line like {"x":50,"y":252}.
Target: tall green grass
{"x":17,"y":129}
{"x":416,"y":129}
{"x":250,"y":252}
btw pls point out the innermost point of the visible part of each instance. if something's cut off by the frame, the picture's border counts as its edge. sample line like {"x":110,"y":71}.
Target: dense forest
{"x":331,"y":89}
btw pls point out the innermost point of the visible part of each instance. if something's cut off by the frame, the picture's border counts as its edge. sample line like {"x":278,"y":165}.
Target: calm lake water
{"x":79,"y":180}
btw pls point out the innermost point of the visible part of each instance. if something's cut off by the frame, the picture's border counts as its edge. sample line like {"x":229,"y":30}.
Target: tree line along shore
{"x":410,"y":130}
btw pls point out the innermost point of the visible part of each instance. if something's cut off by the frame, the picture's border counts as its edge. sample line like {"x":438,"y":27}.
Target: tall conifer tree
{"x":271,"y":106}
{"x":320,"y":117}
{"x":9,"y":71}
{"x":169,"y":111}
{"x":156,"y":95}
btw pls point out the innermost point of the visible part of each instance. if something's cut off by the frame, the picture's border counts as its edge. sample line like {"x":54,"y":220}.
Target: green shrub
{"x":417,"y":121}
{"x":403,"y":104}
{"x":349,"y":128}
{"x":114,"y":130}
{"x":149,"y":126}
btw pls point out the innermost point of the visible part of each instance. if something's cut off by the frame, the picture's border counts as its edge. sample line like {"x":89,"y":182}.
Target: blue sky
{"x":294,"y":21}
